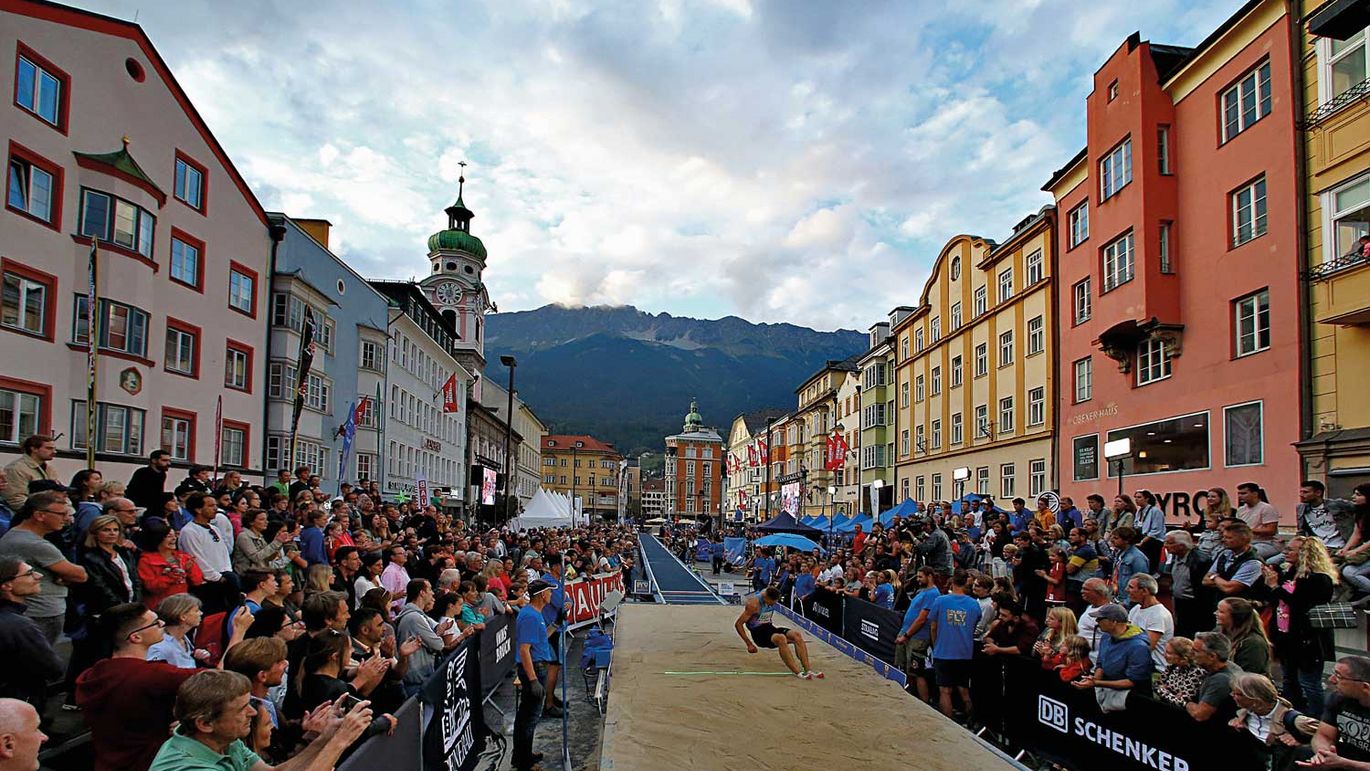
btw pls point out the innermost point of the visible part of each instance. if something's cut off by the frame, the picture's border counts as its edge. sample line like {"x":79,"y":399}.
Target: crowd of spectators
{"x":271,"y":623}
{"x":1214,"y":617}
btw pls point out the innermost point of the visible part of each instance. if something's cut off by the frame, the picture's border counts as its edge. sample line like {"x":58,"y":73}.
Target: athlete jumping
{"x":756,"y":619}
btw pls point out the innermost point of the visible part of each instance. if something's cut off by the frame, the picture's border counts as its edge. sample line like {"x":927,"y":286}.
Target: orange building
{"x":694,"y":469}
{"x":1178,"y":264}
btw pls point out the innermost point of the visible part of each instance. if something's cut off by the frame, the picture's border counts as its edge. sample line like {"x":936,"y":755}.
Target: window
{"x":1173,"y":444}
{"x":1163,"y":149}
{"x":956,"y":372}
{"x":982,"y":480}
{"x":918,"y":388}
{"x":35,"y":187}
{"x":904,"y":347}
{"x":1252,"y":323}
{"x":318,"y":394}
{"x":366,"y":464}
{"x":1248,"y":212}
{"x":936,"y":328}
{"x":233,"y":446}
{"x":123,"y":328}
{"x":1035,"y":269}
{"x":120,"y":428}
{"x":981,"y":360}
{"x":1347,"y":215}
{"x":955,"y":316}
{"x":1243,"y":435}
{"x":25,"y":303}
{"x":1037,"y":407}
{"x":238,"y":366}
{"x":40,"y":88}
{"x":1006,"y":348}
{"x":1085,"y":457}
{"x":904,"y":442}
{"x":919,"y":487}
{"x":280,"y":383}
{"x":1036,"y":335}
{"x":1153,"y":362}
{"x":323,"y":335}
{"x":1118,"y":263}
{"x":1246,"y":102}
{"x":1006,"y":415}
{"x":1037,"y":477}
{"x":1163,"y":249}
{"x":918,"y":341}
{"x":957,"y":429}
{"x":1344,"y":65}
{"x":1084,"y":379}
{"x":955,"y":268}
{"x":981,"y":300}
{"x":982,"y":422}
{"x":190,"y":180}
{"x":1079,"y":224}
{"x":178,"y":434}
{"x":936,"y":383}
{"x":242,"y":289}
{"x":936,"y":434}
{"x":1112,"y":90}
{"x":1115,"y":170}
{"x":904,"y":394}
{"x":182,"y":348}
{"x":21,"y":414}
{"x":371,"y":355}
{"x":185,"y":259}
{"x":117,"y":221}
{"x":1005,"y":284}
{"x":1084,"y":303}
{"x":1006,"y":474}
{"x":937,"y":487}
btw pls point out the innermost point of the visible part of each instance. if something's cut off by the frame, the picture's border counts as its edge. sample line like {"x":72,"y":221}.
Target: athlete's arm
{"x":750,"y":609}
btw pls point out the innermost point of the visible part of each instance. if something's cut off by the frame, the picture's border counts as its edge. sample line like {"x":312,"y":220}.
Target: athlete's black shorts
{"x":761,"y":634}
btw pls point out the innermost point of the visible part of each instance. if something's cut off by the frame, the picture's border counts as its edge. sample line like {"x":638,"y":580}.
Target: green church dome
{"x":453,"y":239}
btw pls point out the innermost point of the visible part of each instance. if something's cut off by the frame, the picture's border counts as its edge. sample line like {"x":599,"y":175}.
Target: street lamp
{"x":877,"y":484}
{"x":959,"y":477}
{"x":575,"y":477}
{"x":511,"y":363}
{"x":832,"y":514}
{"x":1118,"y":450}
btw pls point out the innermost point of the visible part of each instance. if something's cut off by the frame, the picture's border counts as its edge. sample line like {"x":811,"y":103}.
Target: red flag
{"x":751,"y":454}
{"x":840,"y":448}
{"x":449,"y":394}
{"x":360,"y":415}
{"x":829,"y":448}
{"x":764,"y":448}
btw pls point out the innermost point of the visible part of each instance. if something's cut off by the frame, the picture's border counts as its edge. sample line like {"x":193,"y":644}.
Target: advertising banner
{"x":584,"y":596}
{"x":496,"y":652}
{"x":488,"y":479}
{"x":402,"y":749}
{"x":789,"y":498}
{"x":824,"y":608}
{"x":870,"y":628}
{"x":455,"y":733}
{"x":734,"y":549}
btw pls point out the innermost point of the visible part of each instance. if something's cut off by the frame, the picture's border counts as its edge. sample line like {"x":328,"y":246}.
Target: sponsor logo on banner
{"x":820,"y":610}
{"x":870,"y":629}
{"x":1055,"y":714}
{"x":585,"y":597}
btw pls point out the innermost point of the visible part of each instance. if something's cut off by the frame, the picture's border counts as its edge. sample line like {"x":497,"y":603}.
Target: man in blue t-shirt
{"x":534,"y":655}
{"x":915,"y":635}
{"x":555,"y":614}
{"x":954,"y":617}
{"x":763,"y":570}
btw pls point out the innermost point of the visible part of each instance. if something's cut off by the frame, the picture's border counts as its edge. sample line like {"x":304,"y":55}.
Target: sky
{"x":778,"y":160}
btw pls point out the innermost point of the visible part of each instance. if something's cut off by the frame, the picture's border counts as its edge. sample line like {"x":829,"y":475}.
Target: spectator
{"x":935,"y":548}
{"x":209,"y":539}
{"x":1082,"y":565}
{"x":1343,"y":738}
{"x":180,"y":615}
{"x":1149,"y":615}
{"x":953,"y":619}
{"x":886,"y":589}
{"x":258,"y":587}
{"x":1151,"y":528}
{"x":327,"y":659}
{"x":395,"y":579}
{"x":1187,"y":592}
{"x":162,"y":570}
{"x":1239,"y":622}
{"x":369,"y":577}
{"x":82,"y":491}
{"x":348,"y":565}
{"x":147,"y":483}
{"x":1096,"y":594}
{"x":32,"y":464}
{"x":112,"y":580}
{"x":215,"y":713}
{"x":534,"y":654}
{"x":251,"y":549}
{"x":1268,"y":719}
{"x":262,"y":660}
{"x":44,"y":514}
{"x":6,"y":513}
{"x":982,"y":589}
{"x":1306,"y":582}
{"x":1237,"y":569}
{"x":371,"y":636}
{"x":196,"y":481}
{"x":20,"y":736}
{"x":1051,"y":645}
{"x":413,"y":621}
{"x":1214,"y":699}
{"x":1330,"y":521}
{"x":1356,"y":554}
{"x":301,"y":483}
{"x":1124,"y":664}
{"x":30,"y":661}
{"x":915,"y":633}
{"x":1261,"y":517}
{"x":1128,"y":561}
{"x":1013,"y":633}
{"x":1180,"y":680}
{"x":1124,"y":513}
{"x":1076,"y":665}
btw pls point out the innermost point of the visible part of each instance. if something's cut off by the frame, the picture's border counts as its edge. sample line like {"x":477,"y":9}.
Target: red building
{"x":1178,"y":270}
{"x":694,"y":469}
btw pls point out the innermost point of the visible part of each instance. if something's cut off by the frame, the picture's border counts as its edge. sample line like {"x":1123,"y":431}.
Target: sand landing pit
{"x":853,"y":718}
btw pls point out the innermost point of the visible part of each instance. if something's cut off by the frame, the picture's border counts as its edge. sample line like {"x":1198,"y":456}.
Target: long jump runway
{"x":662,"y":715}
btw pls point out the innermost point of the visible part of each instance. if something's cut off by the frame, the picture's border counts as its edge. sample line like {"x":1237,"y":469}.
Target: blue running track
{"x":672,"y":582}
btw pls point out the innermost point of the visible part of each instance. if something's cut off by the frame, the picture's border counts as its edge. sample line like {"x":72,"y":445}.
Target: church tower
{"x":454,"y":284}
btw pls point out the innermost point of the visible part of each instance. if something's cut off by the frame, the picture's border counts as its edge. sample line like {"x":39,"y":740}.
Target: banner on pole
{"x":450,"y":401}
{"x":421,"y":488}
{"x":455,"y":734}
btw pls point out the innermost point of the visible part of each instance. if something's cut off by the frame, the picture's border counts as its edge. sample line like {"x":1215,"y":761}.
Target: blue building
{"x":349,"y":361}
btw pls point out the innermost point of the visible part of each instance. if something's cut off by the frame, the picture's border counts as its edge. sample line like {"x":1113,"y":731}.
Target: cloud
{"x":782,"y":160}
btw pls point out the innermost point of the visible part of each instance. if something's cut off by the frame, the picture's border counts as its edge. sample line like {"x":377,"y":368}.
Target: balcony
{"x":1353,"y":94}
{"x":1342,"y":291}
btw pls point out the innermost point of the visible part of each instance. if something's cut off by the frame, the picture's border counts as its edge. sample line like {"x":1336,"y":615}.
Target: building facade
{"x":653,"y":498}
{"x":349,"y":358}
{"x":455,"y":284}
{"x":1178,"y":333}
{"x":525,"y":440}
{"x":845,"y":492}
{"x":1335,"y":49}
{"x":584,"y":468}
{"x":694,"y":469}
{"x":421,"y":440}
{"x":876,"y":448}
{"x":747,"y":484}
{"x":807,"y":434}
{"x":975,"y":411}
{"x":105,"y":148}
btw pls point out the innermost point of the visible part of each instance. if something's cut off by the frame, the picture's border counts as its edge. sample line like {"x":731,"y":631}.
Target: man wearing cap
{"x":1124,"y":654}
{"x":534,"y":654}
{"x":555,"y":615}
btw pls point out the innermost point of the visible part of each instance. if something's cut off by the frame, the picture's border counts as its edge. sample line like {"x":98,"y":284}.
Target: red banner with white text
{"x":584,"y":596}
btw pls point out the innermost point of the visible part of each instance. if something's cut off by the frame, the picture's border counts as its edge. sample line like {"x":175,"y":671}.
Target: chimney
{"x":317,"y":229}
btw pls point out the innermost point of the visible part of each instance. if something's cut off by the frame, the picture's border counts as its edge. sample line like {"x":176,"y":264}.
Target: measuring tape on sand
{"x":754,"y":674}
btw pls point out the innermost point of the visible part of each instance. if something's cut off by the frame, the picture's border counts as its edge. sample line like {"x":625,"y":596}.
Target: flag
{"x":842,"y":449}
{"x":306,"y":360}
{"x":751,"y":454}
{"x":93,"y":332}
{"x":764,"y":450}
{"x":829,"y":450}
{"x":421,"y":488}
{"x":836,"y":456}
{"x":348,"y":432}
{"x":218,"y":433}
{"x":449,"y":395}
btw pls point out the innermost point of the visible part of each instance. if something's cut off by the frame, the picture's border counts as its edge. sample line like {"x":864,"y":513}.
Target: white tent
{"x":545,"y":510}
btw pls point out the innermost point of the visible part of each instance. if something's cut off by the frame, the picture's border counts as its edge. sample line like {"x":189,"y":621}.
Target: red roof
{"x":556,"y":442}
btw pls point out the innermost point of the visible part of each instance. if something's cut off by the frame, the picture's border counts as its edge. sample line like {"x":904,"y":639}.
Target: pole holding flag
{"x":218,"y":433}
{"x":92,"y":363}
{"x":306,"y":359}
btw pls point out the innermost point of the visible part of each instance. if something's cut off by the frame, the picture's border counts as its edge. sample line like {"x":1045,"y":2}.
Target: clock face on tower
{"x":447,"y":293}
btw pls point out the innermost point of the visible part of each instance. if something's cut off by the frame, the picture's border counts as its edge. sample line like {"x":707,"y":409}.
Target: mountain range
{"x":627,"y":377}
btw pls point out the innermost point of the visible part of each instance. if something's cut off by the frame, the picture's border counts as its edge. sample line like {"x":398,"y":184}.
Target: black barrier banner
{"x":870,"y":628}
{"x":402,"y":749}
{"x":496,"y":653}
{"x":825,"y":609}
{"x":1062,"y":723}
{"x":455,"y":735}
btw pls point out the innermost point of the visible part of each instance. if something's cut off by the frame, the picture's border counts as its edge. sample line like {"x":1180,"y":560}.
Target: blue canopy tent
{"x":819,"y":522}
{"x":807,"y":521}
{"x":784,"y":522}
{"x":864,"y":520}
{"x":789,"y":540}
{"x":838,"y":520}
{"x":905,"y":510}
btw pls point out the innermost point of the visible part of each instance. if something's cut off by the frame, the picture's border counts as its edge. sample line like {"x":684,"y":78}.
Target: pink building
{"x":103,"y":144}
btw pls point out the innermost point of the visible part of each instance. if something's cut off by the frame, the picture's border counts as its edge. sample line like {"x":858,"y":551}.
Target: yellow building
{"x":974,"y":371}
{"x":583,"y":467}
{"x":813,"y":422}
{"x":1335,"y":49}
